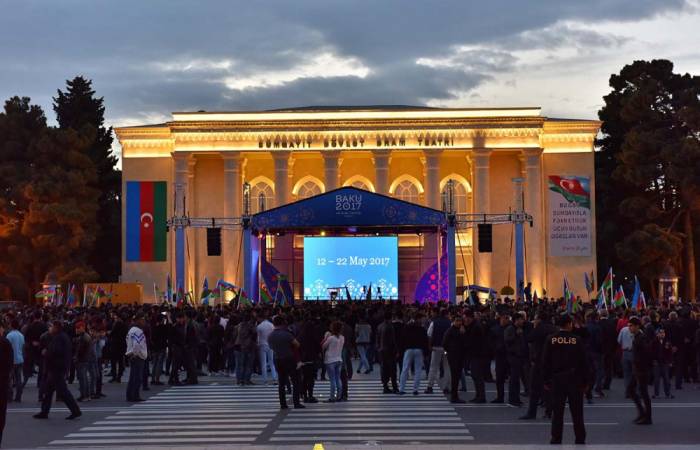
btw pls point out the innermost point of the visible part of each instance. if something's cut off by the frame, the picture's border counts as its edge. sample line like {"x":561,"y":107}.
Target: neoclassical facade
{"x":406,"y":152}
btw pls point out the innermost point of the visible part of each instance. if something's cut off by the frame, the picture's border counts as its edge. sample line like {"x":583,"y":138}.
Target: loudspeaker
{"x":213,"y":241}
{"x":485,"y":231}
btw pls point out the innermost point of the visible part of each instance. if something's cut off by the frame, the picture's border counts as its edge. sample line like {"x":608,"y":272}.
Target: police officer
{"x":564,"y":369}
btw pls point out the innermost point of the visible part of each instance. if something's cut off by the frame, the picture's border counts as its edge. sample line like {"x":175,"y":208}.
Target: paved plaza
{"x":217,"y":414}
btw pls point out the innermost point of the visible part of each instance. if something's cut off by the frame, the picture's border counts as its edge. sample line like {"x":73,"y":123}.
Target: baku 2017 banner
{"x":146,"y":210}
{"x":569,"y":216}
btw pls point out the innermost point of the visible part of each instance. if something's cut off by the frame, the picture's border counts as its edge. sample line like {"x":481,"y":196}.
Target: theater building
{"x":197,"y":165}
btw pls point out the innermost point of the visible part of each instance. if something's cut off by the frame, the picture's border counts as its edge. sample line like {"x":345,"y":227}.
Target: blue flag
{"x":636,"y":294}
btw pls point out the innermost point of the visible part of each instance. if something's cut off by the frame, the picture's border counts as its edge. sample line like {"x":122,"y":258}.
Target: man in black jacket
{"x":436,"y":332}
{"x":455,"y":346}
{"x":6,"y":365}
{"x":537,"y":338}
{"x":564,"y":369}
{"x":58,"y":359}
{"x":387,"y":347}
{"x":117,"y":346}
{"x":517,"y":350}
{"x":476,"y":355}
{"x":641,"y":367}
{"x":500,"y":354}
{"x":415,"y":340}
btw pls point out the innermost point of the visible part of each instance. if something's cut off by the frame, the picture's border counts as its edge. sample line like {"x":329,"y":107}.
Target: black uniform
{"x":638,"y":390}
{"x":564,"y":368}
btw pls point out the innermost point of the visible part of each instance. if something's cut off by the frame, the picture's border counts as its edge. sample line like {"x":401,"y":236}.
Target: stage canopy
{"x":348,"y":207}
{"x":351,"y":210}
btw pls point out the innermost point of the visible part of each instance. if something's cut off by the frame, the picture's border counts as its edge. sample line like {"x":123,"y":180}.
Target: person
{"x":177,"y":340}
{"x":387,"y":348}
{"x":564,"y":369}
{"x":542,"y":330}
{"x":475,"y":354}
{"x":498,"y":344}
{"x":137,"y":353}
{"x":363,"y":335}
{"x":265,"y":354}
{"x":638,"y":389}
{"x":57,"y":359}
{"x":415,"y":340}
{"x":310,"y":348}
{"x":84,"y":359}
{"x":332,"y":347}
{"x":245,"y":344}
{"x":662,"y":357}
{"x":625,"y":338}
{"x":16,"y":339}
{"x":595,"y":353}
{"x":453,"y":343}
{"x":517,"y":351}
{"x":6,"y":368}
{"x":284,"y":348}
{"x":436,"y":334}
{"x":159,"y":344}
{"x":117,"y":348}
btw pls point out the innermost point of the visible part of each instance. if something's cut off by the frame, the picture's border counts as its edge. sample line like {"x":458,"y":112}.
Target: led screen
{"x":353,"y":262}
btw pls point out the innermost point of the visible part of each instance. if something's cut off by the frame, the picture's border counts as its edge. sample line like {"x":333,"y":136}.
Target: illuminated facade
{"x":405,"y":152}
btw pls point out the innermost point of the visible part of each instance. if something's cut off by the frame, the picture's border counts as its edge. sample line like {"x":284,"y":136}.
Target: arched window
{"x":461,"y":201}
{"x":308,"y":188}
{"x":407,"y":191}
{"x":359,"y":182}
{"x":262,"y":197}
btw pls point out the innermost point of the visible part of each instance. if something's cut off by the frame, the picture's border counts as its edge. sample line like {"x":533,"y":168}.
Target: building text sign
{"x":569,"y":215}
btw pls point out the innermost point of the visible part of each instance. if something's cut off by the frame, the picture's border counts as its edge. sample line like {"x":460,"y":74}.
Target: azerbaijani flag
{"x":602,"y":302}
{"x":264,"y":295}
{"x":620,"y":298}
{"x":574,"y":189}
{"x":146,"y":204}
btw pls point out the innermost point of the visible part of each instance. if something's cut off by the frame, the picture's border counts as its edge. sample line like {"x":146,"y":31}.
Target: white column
{"x":482,"y":205}
{"x":230,"y":239}
{"x":534,"y":205}
{"x":432,"y":178}
{"x":381,"y":159}
{"x":191,"y":256}
{"x":180,"y":188}
{"x":330,"y":169}
{"x":281,"y":160}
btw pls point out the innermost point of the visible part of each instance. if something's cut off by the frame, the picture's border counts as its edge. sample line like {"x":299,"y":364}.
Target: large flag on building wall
{"x":573,"y":189}
{"x":146,"y":206}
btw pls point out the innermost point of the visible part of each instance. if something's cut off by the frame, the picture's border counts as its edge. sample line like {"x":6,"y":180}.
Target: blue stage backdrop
{"x":352,"y":262}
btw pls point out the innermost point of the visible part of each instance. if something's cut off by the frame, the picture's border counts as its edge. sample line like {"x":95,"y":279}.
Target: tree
{"x":47,"y":202}
{"x":62,"y":207}
{"x":20,"y":123}
{"x":78,"y":109}
{"x":648,"y":170}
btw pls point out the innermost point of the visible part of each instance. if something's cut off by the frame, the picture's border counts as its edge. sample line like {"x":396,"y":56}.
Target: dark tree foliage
{"x":79,"y":109}
{"x":47,"y":202}
{"x":648,"y":172}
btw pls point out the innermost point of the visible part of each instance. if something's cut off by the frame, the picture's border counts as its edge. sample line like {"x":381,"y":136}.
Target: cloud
{"x":150,"y":58}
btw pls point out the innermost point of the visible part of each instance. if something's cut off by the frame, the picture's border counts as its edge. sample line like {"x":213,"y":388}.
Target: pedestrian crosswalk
{"x":226,"y":414}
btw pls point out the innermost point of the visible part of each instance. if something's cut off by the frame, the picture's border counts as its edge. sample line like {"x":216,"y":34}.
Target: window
{"x":407,"y":191}
{"x":262,"y":197}
{"x":308,"y":189}
{"x":360,"y":185}
{"x":460,"y":198}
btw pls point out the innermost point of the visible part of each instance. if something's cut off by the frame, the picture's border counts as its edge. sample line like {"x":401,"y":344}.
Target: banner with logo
{"x":146,"y":203}
{"x":569,"y":215}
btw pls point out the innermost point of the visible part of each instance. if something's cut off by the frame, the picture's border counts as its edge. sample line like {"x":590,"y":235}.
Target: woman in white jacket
{"x":332,"y":346}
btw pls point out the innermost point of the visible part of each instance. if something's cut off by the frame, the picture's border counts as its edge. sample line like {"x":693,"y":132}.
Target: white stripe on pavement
{"x":366,"y":438}
{"x":222,"y":440}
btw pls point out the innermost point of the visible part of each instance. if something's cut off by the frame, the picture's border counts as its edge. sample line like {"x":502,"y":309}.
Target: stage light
{"x":376,"y":234}
{"x":323,"y":233}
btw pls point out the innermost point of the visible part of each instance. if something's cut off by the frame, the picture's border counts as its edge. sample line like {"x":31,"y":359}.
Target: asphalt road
{"x":218,"y":413}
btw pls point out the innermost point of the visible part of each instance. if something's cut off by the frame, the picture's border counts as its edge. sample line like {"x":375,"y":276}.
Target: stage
{"x":352,"y":236}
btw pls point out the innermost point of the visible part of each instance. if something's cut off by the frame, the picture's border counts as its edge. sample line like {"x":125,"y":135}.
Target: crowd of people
{"x":533,"y":351}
